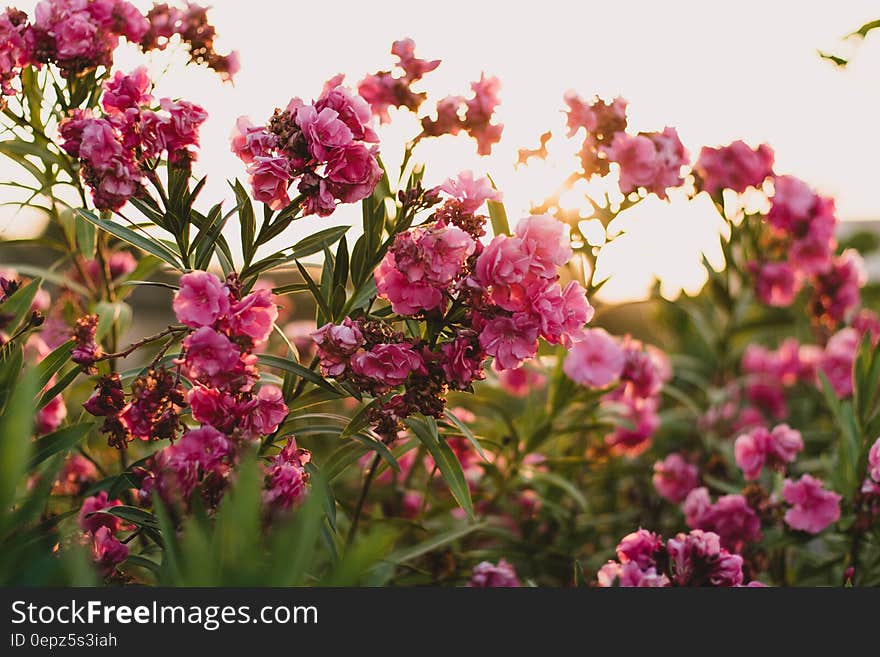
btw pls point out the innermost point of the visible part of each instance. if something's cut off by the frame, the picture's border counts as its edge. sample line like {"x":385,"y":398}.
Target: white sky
{"x":716,"y":71}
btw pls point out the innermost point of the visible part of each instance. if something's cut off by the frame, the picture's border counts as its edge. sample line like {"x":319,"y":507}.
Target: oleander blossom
{"x":651,"y":161}
{"x":761,"y":446}
{"x":674,"y":478}
{"x":595,"y":361}
{"x":385,"y":89}
{"x":813,"y":507}
{"x":115,"y":149}
{"x":287,"y":477}
{"x":874,"y":461}
{"x":736,"y":166}
{"x":730,"y":517}
{"x":14,"y":50}
{"x":474,"y":115}
{"x":694,"y":559}
{"x":321,"y":147}
{"x":489,"y":575}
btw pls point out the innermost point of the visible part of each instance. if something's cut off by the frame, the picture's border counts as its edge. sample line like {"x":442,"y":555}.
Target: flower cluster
{"x":598,"y":360}
{"x":115,"y":150}
{"x":218,"y":358}
{"x":80,"y":35}
{"x":649,"y":160}
{"x":14,"y":53}
{"x":694,"y":559}
{"x":191,"y":24}
{"x":322,"y":146}
{"x":730,"y":517}
{"x":736,"y":166}
{"x":383,"y":89}
{"x":107,"y":550}
{"x":813,"y":507}
{"x":471,"y":115}
{"x":760,"y":447}
{"x":675,"y":477}
{"x":505,"y":295}
{"x":601,"y":121}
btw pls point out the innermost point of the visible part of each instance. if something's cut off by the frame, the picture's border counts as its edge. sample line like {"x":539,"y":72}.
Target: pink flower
{"x":520,"y":381}
{"x":286,"y":477}
{"x":547,"y":241}
{"x":785,"y":444}
{"x":263,"y":414}
{"x":50,"y":417}
{"x":406,"y":297}
{"x":99,"y":145}
{"x":736,"y":166}
{"x":201,"y":300}
{"x":813,"y":507}
{"x":414,"y":67}
{"x":388,"y":364}
{"x":212,"y":406}
{"x":792,"y":202}
{"x":504,"y":262}
{"x":353,"y":173}
{"x":562,"y":314}
{"x":596,"y":361}
{"x":463,"y":360}
{"x":254,"y":316}
{"x":874,"y":461}
{"x":182,"y":130}
{"x":698,"y":559}
{"x":640,"y":415}
{"x":488,"y":575}
{"x":652,"y":161}
{"x":837,"y":291}
{"x":74,"y":36}
{"x":323,"y":130}
{"x":269,"y":177}
{"x":776,"y":283}
{"x":434,"y":255}
{"x":249,"y":141}
{"x":630,"y":575}
{"x":469,"y":191}
{"x":209,"y":354}
{"x":750,"y":451}
{"x":511,"y":340}
{"x":674,"y":478}
{"x":730,"y":517}
{"x":96,"y":503}
{"x":353,"y":110}
{"x":838,"y":360}
{"x":125,"y":91}
{"x":639,"y":547}
{"x":107,"y":550}
{"x":336,"y":345}
{"x":75,"y":474}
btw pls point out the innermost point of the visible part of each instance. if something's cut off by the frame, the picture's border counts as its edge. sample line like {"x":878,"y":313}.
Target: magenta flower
{"x":511,"y":340}
{"x":596,"y":361}
{"x":874,"y":461}
{"x":469,"y":191}
{"x":286,"y":477}
{"x":639,"y":547}
{"x":254,"y":316}
{"x":201,"y":300}
{"x":126,"y":91}
{"x":489,"y":575}
{"x":209,"y":354}
{"x":674,"y":478}
{"x":406,"y":297}
{"x":736,"y":166}
{"x":813,"y":507}
{"x":107,"y":550}
{"x":388,"y":364}
{"x":652,"y":161}
{"x":776,"y":283}
{"x":323,"y":130}
{"x":337,"y":344}
{"x":94,"y":522}
{"x":262,"y":415}
{"x":269,"y":178}
{"x":547,"y":241}
{"x":837,"y":360}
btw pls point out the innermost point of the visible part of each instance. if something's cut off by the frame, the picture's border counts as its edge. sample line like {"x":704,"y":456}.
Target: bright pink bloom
{"x":353,"y":173}
{"x":406,"y":297}
{"x":463,"y":360}
{"x":469,"y":191}
{"x":730,"y":517}
{"x":212,"y":406}
{"x":838,"y":360}
{"x":388,"y":364}
{"x":287,"y":477}
{"x":511,"y":340}
{"x":503,"y":263}
{"x":674,"y":478}
{"x":750,"y":451}
{"x":698,"y":559}
{"x":776,"y":283}
{"x":269,"y":178}
{"x":323,"y":130}
{"x":488,"y":575}
{"x":596,"y":361}
{"x":209,"y":354}
{"x":736,"y":166}
{"x":201,"y":300}
{"x":249,"y":141}
{"x":96,"y":503}
{"x":50,"y":417}
{"x":254,"y":316}
{"x":547,"y":241}
{"x":107,"y":550}
{"x":263,"y":414}
{"x":520,"y":381}
{"x":639,"y":547}
{"x":792,"y":202}
{"x":125,"y":91}
{"x":562,"y":313}
{"x":813,"y":507}
{"x":337,"y":344}
{"x":652,"y":161}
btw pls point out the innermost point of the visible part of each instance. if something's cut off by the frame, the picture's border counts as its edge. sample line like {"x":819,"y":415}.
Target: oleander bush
{"x":453,"y":412}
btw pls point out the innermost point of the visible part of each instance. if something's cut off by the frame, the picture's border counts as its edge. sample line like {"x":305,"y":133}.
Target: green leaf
{"x":56,"y":390}
{"x":133,"y":515}
{"x":415,"y":551}
{"x":466,"y":432}
{"x":446,"y":461}
{"x":86,"y":237}
{"x":50,"y":365}
{"x":293,"y":367}
{"x":58,"y":441}
{"x":246,"y":220}
{"x":16,"y":428}
{"x":498,"y":215}
{"x":359,"y":420}
{"x":119,"y":231}
{"x":380,"y":448}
